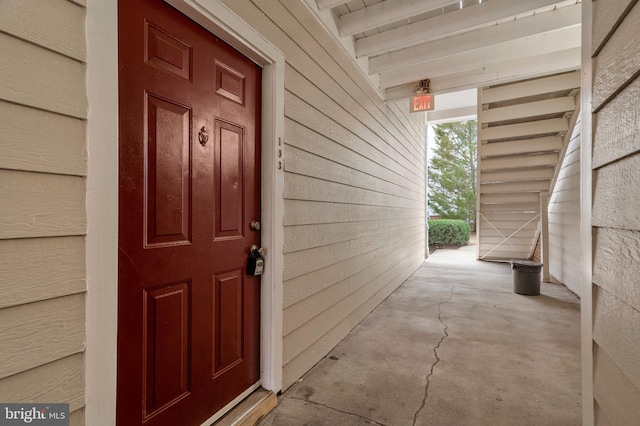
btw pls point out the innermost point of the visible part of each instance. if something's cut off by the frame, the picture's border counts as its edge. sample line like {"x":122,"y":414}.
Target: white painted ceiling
{"x":457,"y":45}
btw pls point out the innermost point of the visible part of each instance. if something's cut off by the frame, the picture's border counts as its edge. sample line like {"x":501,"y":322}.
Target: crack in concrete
{"x":339,"y":411}
{"x":435,"y":353}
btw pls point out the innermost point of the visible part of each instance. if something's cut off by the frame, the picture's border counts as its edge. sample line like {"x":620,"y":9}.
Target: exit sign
{"x":421,"y":103}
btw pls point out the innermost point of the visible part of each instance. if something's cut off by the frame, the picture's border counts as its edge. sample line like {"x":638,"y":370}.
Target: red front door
{"x":188,"y":314}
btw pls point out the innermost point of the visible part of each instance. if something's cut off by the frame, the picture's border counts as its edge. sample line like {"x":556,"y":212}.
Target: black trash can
{"x":526,"y":277}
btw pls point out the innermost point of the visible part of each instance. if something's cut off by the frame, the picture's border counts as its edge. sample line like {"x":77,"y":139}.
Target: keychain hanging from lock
{"x":255,"y":264}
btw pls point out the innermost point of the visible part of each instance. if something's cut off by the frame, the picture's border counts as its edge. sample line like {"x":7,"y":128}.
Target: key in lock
{"x":255,"y":264}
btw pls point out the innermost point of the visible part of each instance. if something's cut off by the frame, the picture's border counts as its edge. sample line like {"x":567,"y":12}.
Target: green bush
{"x":449,"y":232}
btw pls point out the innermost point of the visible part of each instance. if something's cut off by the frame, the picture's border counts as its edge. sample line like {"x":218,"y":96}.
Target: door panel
{"x":229,"y":160}
{"x":229,"y":82}
{"x":166,"y":52}
{"x":227,"y":347}
{"x":166,"y":346}
{"x":168,"y":171}
{"x":188,"y":315}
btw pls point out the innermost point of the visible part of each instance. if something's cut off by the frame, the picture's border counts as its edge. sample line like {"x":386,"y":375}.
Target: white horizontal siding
{"x":43,"y":108}
{"x":615,"y":331}
{"x":302,"y":162}
{"x":363,"y":266}
{"x":622,"y":140}
{"x":619,"y":59}
{"x":41,"y":205}
{"x":346,"y":111}
{"x":36,"y":269}
{"x":333,"y":305}
{"x":510,"y":220}
{"x":617,"y":263}
{"x":607,"y":15}
{"x":617,"y":396}
{"x":393,"y":277}
{"x":564,"y":219}
{"x":39,"y":333}
{"x":57,"y":25}
{"x":520,"y":231}
{"x":59,"y":381}
{"x":354,"y":186}
{"x":510,"y":207}
{"x":301,"y":212}
{"x":41,"y":141}
{"x":41,"y":78}
{"x":612,"y":205}
{"x":309,"y":278}
{"x":616,"y":236}
{"x":342,"y":139}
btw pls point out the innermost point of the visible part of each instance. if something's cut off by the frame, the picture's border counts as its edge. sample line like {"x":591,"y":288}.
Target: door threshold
{"x":250,"y":410}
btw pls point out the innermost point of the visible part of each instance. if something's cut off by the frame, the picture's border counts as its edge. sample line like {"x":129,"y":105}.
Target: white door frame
{"x":102,"y":193}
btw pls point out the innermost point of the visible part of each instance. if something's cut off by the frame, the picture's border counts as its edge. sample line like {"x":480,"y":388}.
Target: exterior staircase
{"x":523,"y":130}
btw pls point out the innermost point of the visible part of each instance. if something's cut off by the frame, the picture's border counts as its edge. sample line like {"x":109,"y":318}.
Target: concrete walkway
{"x":452,"y":346}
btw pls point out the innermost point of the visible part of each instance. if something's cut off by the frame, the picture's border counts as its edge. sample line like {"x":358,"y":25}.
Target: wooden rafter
{"x":483,"y":14}
{"x":386,"y":12}
{"x":328,"y":4}
{"x":478,"y":39}
{"x":525,"y":48}
{"x":504,"y":72}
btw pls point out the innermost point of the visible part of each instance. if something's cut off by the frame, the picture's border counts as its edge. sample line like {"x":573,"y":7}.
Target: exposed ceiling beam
{"x":510,"y":71}
{"x":483,"y":14}
{"x":483,"y":37}
{"x":327,"y":20}
{"x":328,"y":4}
{"x":384,"y":13}
{"x":536,"y":45}
{"x":506,"y":72}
